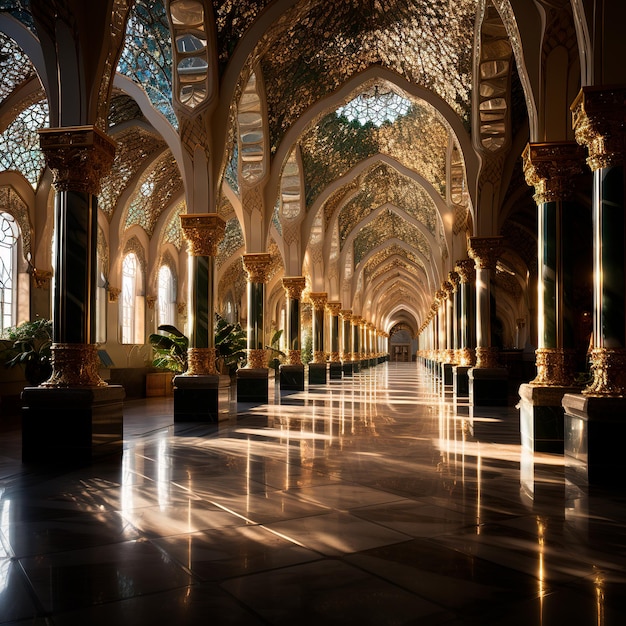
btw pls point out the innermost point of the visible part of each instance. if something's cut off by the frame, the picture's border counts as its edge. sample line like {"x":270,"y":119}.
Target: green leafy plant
{"x":276,"y":355}
{"x":170,"y":349}
{"x":230,"y":342}
{"x":29,"y":345}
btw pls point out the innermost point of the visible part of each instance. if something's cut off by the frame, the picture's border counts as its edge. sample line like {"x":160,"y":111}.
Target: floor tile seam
{"x":141,"y":537}
{"x":30,"y":590}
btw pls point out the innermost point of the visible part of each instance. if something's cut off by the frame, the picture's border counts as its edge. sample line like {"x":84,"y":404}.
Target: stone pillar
{"x":292,"y":373}
{"x":346,"y":336}
{"x":203,"y":232}
{"x":487,"y":381}
{"x":455,"y":300}
{"x":252,"y":381}
{"x":356,"y":343}
{"x":595,"y":428}
{"x":60,"y":418}
{"x":551,"y":168}
{"x":467,"y":323}
{"x":317,"y":369}
{"x":335,"y":368}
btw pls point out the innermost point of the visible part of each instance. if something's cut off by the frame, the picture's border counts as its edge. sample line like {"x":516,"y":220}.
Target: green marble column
{"x":293,"y":285}
{"x":598,"y":121}
{"x":356,"y":338}
{"x":334,"y":309}
{"x":346,"y":335}
{"x":257,"y":266}
{"x":467,"y":321}
{"x":318,"y":299}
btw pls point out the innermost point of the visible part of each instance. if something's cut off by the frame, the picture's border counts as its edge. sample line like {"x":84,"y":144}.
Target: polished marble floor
{"x":366,"y":501}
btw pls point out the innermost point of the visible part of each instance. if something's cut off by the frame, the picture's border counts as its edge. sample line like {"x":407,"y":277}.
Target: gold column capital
{"x":257,"y":266}
{"x":334,"y":308}
{"x":598,"y":115}
{"x":79,"y":156}
{"x":203,"y":232}
{"x":294,"y":286}
{"x":346,"y":314}
{"x":550,"y":168}
{"x":318,"y":300}
{"x":485,"y":251}
{"x":466,"y":269}
{"x":454,"y":279}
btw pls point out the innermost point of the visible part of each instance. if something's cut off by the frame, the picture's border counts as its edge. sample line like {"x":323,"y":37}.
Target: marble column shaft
{"x":318,"y":300}
{"x":293,"y":285}
{"x":467,"y":331}
{"x":334,"y":309}
{"x":257,"y":266}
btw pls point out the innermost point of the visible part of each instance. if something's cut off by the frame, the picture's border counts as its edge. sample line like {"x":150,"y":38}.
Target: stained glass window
{"x":15,"y":66}
{"x":147,"y":55}
{"x":8,"y":253}
{"x":19,"y":144}
{"x":166,"y":298}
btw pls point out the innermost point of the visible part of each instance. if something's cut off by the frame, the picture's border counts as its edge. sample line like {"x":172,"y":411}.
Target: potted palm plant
{"x":170,"y":357}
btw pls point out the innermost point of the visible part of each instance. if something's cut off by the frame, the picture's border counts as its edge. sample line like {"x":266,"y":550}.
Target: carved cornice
{"x":79,"y":156}
{"x":257,"y":266}
{"x":598,"y":120}
{"x":551,"y":167}
{"x":203,"y":232}
{"x":485,"y":251}
{"x":294,"y":286}
{"x":334,"y":308}
{"x":318,"y":300}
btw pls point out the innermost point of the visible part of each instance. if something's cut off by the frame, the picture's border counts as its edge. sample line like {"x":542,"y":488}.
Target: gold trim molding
{"x":466,"y":269}
{"x":201,"y":362}
{"x":334,"y":308}
{"x":485,"y":251}
{"x":203,"y":232}
{"x":294,"y":357}
{"x":257,"y":359}
{"x":487,"y":358}
{"x":555,"y":368}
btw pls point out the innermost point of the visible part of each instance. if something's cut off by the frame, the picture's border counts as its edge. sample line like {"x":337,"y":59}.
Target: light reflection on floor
{"x":370,"y":500}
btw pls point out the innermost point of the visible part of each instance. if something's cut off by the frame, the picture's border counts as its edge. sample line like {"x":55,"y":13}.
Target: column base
{"x":317,"y":373}
{"x":203,"y":398}
{"x":71,"y":426}
{"x":541,"y":417}
{"x":335,"y":371}
{"x":252,"y":385}
{"x":595,"y":431}
{"x":292,"y":377}
{"x":488,"y":386}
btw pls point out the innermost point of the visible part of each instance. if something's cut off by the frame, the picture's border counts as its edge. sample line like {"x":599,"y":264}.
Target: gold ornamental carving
{"x":608,"y":367}
{"x":181,"y":307}
{"x":203,"y":232}
{"x":74,"y":365}
{"x":466,"y":269}
{"x":150,"y":301}
{"x":334,"y":357}
{"x":294,"y":286}
{"x":201,"y":362}
{"x":454,"y":279}
{"x":294,"y":357}
{"x":78,"y":156}
{"x":319,"y":356}
{"x":466,"y":357}
{"x":487,"y":357}
{"x":318,"y":300}
{"x":555,"y":368}
{"x":257,"y":266}
{"x":346,"y":314}
{"x":334,"y":308}
{"x":41,"y":278}
{"x":551,"y":167}
{"x":598,"y":123}
{"x":485,"y":251}
{"x":114,"y":293}
{"x":257,"y":359}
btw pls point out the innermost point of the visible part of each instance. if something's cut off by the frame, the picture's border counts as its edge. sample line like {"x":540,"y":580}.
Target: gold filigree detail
{"x":555,"y":367}
{"x":487,"y":358}
{"x":346,"y":314}
{"x":334,"y":357}
{"x":334,"y":308}
{"x":257,"y":266}
{"x":294,"y":285}
{"x":466,"y":357}
{"x":485,"y":251}
{"x":318,"y":300}
{"x":114,"y":294}
{"x":79,"y":156}
{"x":181,"y":307}
{"x":201,"y":362}
{"x":150,"y":301}
{"x":608,"y":367}
{"x":257,"y":359}
{"x":294,"y":357}
{"x":319,"y":356}
{"x":203,"y":232}
{"x":74,"y":365}
{"x":598,"y":123}
{"x":550,"y":168}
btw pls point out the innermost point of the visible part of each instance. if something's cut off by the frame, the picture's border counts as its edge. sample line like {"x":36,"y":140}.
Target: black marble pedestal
{"x":364,"y":363}
{"x":447,"y":373}
{"x":347,"y":368}
{"x":594,"y":435}
{"x":460,"y":381}
{"x":292,"y":378}
{"x":71,"y":426}
{"x":335,"y":371}
{"x":488,"y":386}
{"x":317,"y":373}
{"x":252,"y":385}
{"x":542,"y":417}
{"x":201,"y":398}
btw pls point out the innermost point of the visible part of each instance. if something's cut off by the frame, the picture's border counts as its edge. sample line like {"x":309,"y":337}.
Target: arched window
{"x":166,"y":297}
{"x":133,"y":313}
{"x":8,"y":261}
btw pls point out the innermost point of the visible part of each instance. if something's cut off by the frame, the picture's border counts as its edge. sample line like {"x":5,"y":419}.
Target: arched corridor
{"x":367,"y":500}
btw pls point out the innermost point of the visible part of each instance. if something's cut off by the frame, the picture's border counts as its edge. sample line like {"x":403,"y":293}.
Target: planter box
{"x":159,"y":384}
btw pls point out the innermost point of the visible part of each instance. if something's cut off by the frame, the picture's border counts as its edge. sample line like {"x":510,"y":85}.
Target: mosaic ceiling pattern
{"x":135,"y":146}
{"x":388,"y":225}
{"x":232,"y":242}
{"x":122,"y":109}
{"x":153,"y":195}
{"x":20,"y":10}
{"x":380,"y":258}
{"x":381,"y":185}
{"x":318,"y":45}
{"x":172,"y":232}
{"x":15,"y":67}
{"x":418,"y":140}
